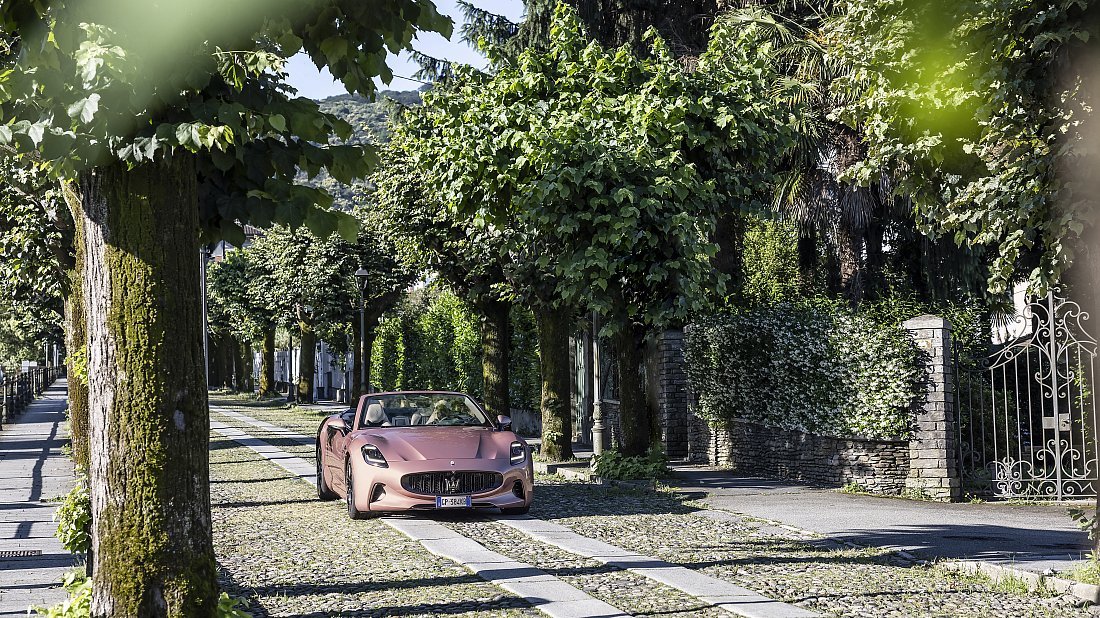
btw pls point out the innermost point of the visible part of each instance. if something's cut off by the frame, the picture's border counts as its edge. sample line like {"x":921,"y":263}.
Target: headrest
{"x":375,"y":415}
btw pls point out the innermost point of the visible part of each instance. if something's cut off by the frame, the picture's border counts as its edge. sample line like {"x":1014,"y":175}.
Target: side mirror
{"x":348,"y":417}
{"x":504,"y":423}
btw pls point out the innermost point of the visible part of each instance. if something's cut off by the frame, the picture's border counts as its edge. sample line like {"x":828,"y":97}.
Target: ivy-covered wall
{"x":813,"y":367}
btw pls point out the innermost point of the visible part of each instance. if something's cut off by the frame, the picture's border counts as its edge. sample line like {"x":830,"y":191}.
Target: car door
{"x":336,"y":436}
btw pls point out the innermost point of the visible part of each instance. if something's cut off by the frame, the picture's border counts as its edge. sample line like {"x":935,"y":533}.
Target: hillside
{"x":369,"y":118}
{"x":370,"y":122}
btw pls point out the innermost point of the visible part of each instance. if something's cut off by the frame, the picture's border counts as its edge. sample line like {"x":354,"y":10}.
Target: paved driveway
{"x":1038,"y":537}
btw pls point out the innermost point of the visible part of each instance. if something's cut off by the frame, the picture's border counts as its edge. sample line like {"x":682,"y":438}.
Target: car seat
{"x":376,"y":417}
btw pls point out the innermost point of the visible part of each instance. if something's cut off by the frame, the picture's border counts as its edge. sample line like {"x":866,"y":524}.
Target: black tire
{"x":324,"y":490}
{"x":519,"y":510}
{"x":349,"y":495}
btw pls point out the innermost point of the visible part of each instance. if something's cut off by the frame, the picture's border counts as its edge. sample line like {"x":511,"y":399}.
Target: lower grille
{"x":451,"y":483}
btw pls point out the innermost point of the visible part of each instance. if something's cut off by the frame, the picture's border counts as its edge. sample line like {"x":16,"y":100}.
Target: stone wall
{"x":878,"y":466}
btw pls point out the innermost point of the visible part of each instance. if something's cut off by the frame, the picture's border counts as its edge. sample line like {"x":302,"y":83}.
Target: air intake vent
{"x":451,"y":483}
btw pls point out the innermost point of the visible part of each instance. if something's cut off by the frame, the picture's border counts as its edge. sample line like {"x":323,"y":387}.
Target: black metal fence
{"x":19,"y":389}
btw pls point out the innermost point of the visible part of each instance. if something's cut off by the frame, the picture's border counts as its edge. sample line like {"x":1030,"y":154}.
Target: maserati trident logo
{"x":452,"y":463}
{"x":452,"y":483}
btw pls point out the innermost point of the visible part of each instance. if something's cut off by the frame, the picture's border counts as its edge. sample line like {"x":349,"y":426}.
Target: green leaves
{"x":599,"y":168}
{"x":84,"y":110}
{"x":139,"y":80}
{"x":983,"y":133}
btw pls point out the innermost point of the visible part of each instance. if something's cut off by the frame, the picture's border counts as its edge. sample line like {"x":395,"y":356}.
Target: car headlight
{"x":373,"y":456}
{"x":517,"y":453}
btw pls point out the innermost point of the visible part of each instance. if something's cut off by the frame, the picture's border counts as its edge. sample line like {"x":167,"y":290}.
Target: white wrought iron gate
{"x":1027,"y":413}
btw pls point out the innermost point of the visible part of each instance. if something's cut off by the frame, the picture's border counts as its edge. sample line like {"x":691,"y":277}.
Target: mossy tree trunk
{"x":496,"y":339}
{"x":75,"y":341}
{"x":149,"y":473}
{"x":557,"y":421}
{"x":76,"y":337}
{"x":267,"y":363}
{"x":307,"y":361}
{"x":633,"y":411}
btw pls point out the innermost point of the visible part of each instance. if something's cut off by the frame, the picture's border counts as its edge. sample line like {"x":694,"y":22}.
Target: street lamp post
{"x":362,"y":277}
{"x":205,"y":251}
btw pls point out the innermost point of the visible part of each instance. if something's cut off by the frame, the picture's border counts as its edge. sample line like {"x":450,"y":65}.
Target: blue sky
{"x":319,"y":84}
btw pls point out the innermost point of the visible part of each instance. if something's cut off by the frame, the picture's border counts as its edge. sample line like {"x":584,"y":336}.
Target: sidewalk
{"x":33,"y":469}
{"x":1031,"y":537}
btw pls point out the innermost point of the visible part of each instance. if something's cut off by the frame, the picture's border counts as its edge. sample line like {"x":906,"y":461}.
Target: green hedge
{"x":432,"y":341}
{"x":814,"y":367}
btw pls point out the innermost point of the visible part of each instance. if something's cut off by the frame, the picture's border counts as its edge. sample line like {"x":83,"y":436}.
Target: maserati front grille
{"x":451,"y":483}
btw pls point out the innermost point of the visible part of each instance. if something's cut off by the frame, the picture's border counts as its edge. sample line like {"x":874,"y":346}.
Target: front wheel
{"x":324,"y":491}
{"x":349,"y":494}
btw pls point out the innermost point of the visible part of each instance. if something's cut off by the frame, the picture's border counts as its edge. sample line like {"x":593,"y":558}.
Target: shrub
{"x":74,"y":518}
{"x":614,"y":465}
{"x":79,"y":603}
{"x":813,"y":367}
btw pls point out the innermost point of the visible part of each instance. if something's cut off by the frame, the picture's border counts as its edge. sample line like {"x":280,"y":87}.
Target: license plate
{"x":451,"y":502}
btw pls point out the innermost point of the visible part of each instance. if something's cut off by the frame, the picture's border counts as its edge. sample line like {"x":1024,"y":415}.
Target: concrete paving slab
{"x":266,"y":426}
{"x":294,"y":465}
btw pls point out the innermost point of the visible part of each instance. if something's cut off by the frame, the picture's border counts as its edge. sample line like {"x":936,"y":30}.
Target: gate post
{"x":933,"y":467}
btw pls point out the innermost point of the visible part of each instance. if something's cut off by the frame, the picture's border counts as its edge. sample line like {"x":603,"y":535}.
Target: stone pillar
{"x":933,"y":465}
{"x":672,"y":393}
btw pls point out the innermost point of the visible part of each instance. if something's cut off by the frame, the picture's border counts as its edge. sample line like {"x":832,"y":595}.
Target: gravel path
{"x":291,"y":555}
{"x":779,"y":563}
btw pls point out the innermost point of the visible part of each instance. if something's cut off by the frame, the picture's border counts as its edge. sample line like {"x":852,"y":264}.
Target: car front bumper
{"x":386,"y":495}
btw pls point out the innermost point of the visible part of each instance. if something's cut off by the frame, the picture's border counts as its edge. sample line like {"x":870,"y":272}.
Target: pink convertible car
{"x":411,"y":451}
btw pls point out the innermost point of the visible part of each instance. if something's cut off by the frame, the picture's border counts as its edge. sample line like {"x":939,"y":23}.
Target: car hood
{"x":424,"y":443}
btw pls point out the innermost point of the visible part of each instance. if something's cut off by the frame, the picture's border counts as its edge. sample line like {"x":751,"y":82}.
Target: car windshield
{"x":420,"y":410}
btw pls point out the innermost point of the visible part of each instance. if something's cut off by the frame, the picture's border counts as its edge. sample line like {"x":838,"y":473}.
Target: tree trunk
{"x":246,"y":367}
{"x":496,"y":340}
{"x":267,"y":363}
{"x":225,"y":362}
{"x":807,"y":261}
{"x":214,"y":354}
{"x":557,"y":421}
{"x":150,"y":426}
{"x":356,"y":384}
{"x":850,"y":260}
{"x":307,"y":361}
{"x":876,"y":262}
{"x":633,"y":411}
{"x":76,"y":338}
{"x":729,"y":234}
{"x":368,"y":345}
{"x":238,"y":365}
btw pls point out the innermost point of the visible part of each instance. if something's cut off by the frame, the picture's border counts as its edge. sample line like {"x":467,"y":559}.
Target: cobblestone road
{"x":294,"y":556}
